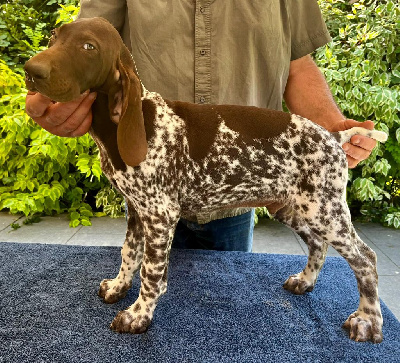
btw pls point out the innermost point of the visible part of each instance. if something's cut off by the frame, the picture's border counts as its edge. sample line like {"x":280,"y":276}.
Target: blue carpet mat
{"x":220,"y":307}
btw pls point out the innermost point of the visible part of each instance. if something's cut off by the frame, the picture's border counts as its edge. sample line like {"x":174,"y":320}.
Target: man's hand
{"x":307,"y":94}
{"x":360,"y":147}
{"x":69,"y":119}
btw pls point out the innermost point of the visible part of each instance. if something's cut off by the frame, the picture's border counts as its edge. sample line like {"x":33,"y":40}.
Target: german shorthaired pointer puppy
{"x":174,"y":159}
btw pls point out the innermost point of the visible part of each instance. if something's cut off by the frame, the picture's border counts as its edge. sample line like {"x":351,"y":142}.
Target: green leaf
{"x":381,"y":167}
{"x":74,"y":216}
{"x":364,"y":189}
{"x":396,"y":73}
{"x":356,"y":93}
{"x":96,"y":169}
{"x":389,"y":6}
{"x":86,"y":213}
{"x":378,"y":98}
{"x":398,"y":135}
{"x":393,"y":219}
{"x":74,"y":223}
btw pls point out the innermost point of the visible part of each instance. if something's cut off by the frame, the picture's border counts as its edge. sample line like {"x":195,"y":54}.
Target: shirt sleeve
{"x":307,"y":27}
{"x":114,"y":11}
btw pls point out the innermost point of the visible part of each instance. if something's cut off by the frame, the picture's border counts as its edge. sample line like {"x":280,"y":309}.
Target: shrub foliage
{"x":362,"y":66}
{"x":42,"y":173}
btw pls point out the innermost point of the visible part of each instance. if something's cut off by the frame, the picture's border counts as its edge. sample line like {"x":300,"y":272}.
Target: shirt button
{"x":203,"y":52}
{"x":202,"y":99}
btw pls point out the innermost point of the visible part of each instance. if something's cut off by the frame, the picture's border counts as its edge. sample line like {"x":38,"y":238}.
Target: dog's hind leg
{"x":365,"y":323}
{"x":332,"y":223}
{"x":305,"y":280}
{"x":113,"y":290}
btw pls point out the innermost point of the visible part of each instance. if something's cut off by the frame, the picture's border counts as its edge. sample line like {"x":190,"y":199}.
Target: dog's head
{"x":90,"y":54}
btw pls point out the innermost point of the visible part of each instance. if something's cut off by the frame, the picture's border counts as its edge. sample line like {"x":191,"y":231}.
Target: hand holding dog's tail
{"x":345,"y":136}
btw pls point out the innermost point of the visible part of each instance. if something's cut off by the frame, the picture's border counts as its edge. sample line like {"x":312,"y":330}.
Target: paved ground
{"x":269,"y":237}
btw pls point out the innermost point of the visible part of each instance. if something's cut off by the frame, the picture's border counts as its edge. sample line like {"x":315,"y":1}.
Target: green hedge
{"x":44,"y":174}
{"x":41,"y":173}
{"x":362,"y":66}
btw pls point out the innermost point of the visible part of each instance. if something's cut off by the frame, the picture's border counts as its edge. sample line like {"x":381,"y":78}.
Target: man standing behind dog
{"x":221,"y":52}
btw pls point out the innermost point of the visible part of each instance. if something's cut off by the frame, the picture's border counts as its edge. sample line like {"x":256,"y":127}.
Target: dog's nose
{"x":36,"y":70}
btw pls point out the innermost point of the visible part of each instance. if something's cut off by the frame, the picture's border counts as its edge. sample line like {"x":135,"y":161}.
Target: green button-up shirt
{"x":215,"y":51}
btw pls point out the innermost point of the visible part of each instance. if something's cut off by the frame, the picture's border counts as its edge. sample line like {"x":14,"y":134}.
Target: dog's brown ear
{"x":125,"y":107}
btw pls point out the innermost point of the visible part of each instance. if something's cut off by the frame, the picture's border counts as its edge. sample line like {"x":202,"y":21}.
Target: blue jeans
{"x":228,"y":234}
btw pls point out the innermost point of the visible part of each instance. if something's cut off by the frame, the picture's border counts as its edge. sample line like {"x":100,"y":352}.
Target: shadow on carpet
{"x":220,"y":307}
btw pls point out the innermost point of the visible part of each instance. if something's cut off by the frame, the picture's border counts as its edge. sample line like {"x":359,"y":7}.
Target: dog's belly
{"x":190,"y":212}
{"x":208,"y":198}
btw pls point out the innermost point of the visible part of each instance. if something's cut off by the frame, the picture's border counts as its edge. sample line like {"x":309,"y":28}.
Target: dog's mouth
{"x":30,"y":83}
{"x":63,"y":95}
{"x":34,"y":85}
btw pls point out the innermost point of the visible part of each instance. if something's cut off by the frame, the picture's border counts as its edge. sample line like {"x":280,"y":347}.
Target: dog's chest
{"x":158,"y":173}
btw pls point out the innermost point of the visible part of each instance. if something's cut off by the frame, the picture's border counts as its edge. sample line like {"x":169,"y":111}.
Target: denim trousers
{"x":227,"y":234}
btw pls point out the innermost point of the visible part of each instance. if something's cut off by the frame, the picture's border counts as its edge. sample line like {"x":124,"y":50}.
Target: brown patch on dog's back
{"x":254,"y":123}
{"x":202,"y":122}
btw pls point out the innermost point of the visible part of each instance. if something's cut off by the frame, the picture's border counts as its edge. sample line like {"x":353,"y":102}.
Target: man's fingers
{"x":36,"y":104}
{"x":363,"y":142}
{"x":360,"y":147}
{"x":59,"y":112}
{"x":352,"y":162}
{"x":78,"y":123}
{"x":349,"y":123}
{"x":79,"y":115}
{"x":84,"y":127}
{"x":368,"y":125}
{"x":355,"y":154}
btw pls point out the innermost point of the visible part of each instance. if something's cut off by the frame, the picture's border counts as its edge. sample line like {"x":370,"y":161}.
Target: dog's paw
{"x":363,"y":327}
{"x":113,"y":290}
{"x":298,"y":285}
{"x":126,"y":322}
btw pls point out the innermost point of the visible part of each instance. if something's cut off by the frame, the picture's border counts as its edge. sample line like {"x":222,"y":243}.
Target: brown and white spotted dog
{"x":175,"y":159}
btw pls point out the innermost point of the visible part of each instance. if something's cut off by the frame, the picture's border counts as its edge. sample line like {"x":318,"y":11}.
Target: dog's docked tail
{"x":345,"y":136}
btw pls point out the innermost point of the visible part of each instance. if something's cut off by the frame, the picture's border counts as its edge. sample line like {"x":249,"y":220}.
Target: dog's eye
{"x":88,"y":46}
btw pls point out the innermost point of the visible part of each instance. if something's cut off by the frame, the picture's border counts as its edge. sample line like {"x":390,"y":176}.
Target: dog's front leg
{"x":159,"y":229}
{"x":113,"y":290}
